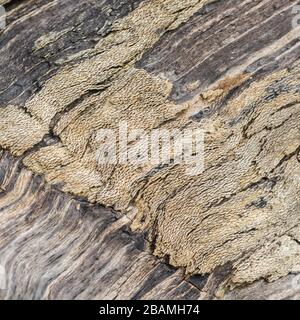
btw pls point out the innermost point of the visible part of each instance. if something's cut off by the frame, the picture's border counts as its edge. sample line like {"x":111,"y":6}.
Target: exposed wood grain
{"x":231,"y":68}
{"x":56,"y":247}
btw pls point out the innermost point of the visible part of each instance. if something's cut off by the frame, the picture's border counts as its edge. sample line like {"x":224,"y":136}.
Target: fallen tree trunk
{"x":118,"y":229}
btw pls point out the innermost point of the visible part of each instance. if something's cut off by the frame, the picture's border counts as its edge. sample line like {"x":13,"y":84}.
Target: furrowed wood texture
{"x":55,"y":247}
{"x":229,"y":67}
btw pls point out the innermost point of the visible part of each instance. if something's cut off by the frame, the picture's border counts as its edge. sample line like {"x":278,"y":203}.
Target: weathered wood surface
{"x":55,"y":247}
{"x":70,"y":68}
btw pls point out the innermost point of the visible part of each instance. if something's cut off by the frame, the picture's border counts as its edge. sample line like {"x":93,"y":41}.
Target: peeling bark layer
{"x":229,"y":67}
{"x":56,"y":247}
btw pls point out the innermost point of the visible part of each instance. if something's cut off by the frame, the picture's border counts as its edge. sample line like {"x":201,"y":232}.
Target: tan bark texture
{"x":74,"y":228}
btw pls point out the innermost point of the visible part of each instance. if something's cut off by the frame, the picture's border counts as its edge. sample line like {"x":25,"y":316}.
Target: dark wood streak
{"x":219,"y":38}
{"x":24,"y":69}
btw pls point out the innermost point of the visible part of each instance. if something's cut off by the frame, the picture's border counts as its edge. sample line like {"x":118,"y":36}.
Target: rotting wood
{"x":229,"y":67}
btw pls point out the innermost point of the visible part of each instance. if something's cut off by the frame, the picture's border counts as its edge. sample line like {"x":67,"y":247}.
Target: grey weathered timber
{"x":72,"y":228}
